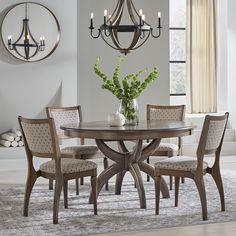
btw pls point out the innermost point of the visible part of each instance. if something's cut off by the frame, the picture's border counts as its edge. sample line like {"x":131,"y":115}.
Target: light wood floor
{"x":18,"y":176}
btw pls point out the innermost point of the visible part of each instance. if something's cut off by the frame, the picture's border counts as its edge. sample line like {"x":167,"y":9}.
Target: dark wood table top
{"x":144,"y":130}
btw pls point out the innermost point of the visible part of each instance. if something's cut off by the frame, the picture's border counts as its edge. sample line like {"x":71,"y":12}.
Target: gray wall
{"x":97,"y":103}
{"x":27,"y":88}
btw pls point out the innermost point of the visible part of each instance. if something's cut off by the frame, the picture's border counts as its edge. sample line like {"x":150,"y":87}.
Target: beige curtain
{"x":201,"y":56}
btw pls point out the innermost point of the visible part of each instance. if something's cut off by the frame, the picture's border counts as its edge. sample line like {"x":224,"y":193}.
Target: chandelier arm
{"x":115,"y":39}
{"x":22,"y":32}
{"x":118,"y":12}
{"x":105,"y":31}
{"x":116,"y":9}
{"x":91,"y":33}
{"x":134,"y":41}
{"x":118,"y":48}
{"x":31,"y":36}
{"x":142,"y":42}
{"x":36,"y":51}
{"x":15,"y":49}
{"x":130,"y":5}
{"x":159,"y":33}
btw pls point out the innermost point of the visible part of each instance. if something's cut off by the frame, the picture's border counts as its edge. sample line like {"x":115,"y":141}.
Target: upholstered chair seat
{"x":185,"y":163}
{"x":77,"y":151}
{"x":165,"y":149}
{"x":68,"y":166}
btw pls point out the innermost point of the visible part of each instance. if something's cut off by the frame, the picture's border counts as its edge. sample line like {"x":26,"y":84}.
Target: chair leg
{"x":202,"y":193}
{"x":176,"y":191}
{"x":157,"y":180}
{"x":28,"y":189}
{"x":148,"y":162}
{"x":182,"y":180}
{"x":81,"y":181}
{"x":50,"y":184}
{"x":105,"y":163}
{"x":171,"y":182}
{"x":57,"y":194}
{"x":65,"y":190}
{"x":77,"y":186}
{"x":218,"y":180}
{"x":94,"y":193}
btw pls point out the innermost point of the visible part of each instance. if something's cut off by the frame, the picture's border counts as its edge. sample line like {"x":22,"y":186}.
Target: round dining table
{"x":124,"y":159}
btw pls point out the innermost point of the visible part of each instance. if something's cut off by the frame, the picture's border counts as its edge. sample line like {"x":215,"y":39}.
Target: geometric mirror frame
{"x":29,"y":31}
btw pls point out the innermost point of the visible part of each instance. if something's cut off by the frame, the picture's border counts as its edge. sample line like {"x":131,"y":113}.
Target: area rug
{"x":115,"y":213}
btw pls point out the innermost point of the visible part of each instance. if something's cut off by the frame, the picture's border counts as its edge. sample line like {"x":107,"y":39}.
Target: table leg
{"x":105,"y":176}
{"x":119,"y":179}
{"x":148,"y":169}
{"x":135,"y":171}
{"x":123,"y":162}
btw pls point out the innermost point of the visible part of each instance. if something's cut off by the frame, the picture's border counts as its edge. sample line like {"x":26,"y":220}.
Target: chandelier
{"x":26,"y":46}
{"x":111,"y":28}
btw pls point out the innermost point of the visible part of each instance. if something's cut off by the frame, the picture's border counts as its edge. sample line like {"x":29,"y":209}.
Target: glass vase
{"x":129,"y":108}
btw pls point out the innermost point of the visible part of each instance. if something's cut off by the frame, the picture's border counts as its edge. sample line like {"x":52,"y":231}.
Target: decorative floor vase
{"x":129,"y":108}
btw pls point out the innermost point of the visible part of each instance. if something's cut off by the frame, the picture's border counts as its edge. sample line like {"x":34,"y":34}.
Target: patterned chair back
{"x":39,"y":137}
{"x":212,"y":134}
{"x":166,"y":113}
{"x":64,"y":115}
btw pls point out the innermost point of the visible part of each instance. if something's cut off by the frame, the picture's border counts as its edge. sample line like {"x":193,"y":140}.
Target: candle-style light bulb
{"x":140,"y":17}
{"x":9,"y":42}
{"x":91,"y":20}
{"x":9,"y":39}
{"x":43,"y":38}
{"x":159,"y":19}
{"x":105,"y":12}
{"x":143,"y":17}
{"x":105,"y":16}
{"x":41,"y":41}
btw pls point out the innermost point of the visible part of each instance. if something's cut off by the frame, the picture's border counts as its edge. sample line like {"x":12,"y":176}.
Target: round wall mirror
{"x":30,"y":31}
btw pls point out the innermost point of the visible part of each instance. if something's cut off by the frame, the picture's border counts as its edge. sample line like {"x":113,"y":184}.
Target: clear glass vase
{"x":129,"y":108}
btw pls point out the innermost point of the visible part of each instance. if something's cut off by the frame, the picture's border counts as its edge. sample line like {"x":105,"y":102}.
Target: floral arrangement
{"x":126,"y":89}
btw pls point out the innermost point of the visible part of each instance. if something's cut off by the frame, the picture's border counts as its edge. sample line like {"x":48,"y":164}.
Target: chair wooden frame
{"x":49,"y":111}
{"x":167,"y":153}
{"x":197,"y":175}
{"x":61,"y":179}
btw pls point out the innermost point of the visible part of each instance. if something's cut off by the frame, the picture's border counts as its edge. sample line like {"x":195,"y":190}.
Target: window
{"x":177,"y":47}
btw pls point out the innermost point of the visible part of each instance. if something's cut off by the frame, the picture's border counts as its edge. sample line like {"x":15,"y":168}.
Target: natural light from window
{"x":177,"y":47}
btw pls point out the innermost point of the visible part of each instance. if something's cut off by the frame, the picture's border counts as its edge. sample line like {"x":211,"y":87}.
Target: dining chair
{"x":166,"y":113}
{"x":195,"y":168}
{"x":73,"y":114}
{"x":40,"y":139}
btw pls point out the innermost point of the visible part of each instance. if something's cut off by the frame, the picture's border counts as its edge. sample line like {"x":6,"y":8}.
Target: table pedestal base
{"x":131,"y":161}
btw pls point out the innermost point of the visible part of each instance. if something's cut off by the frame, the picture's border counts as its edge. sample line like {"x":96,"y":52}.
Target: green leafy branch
{"x":130,"y":87}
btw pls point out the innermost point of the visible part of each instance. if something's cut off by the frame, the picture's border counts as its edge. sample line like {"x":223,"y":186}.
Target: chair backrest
{"x":212,"y":135}
{"x":40,"y":137}
{"x":64,"y":115}
{"x":157,"y":112}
